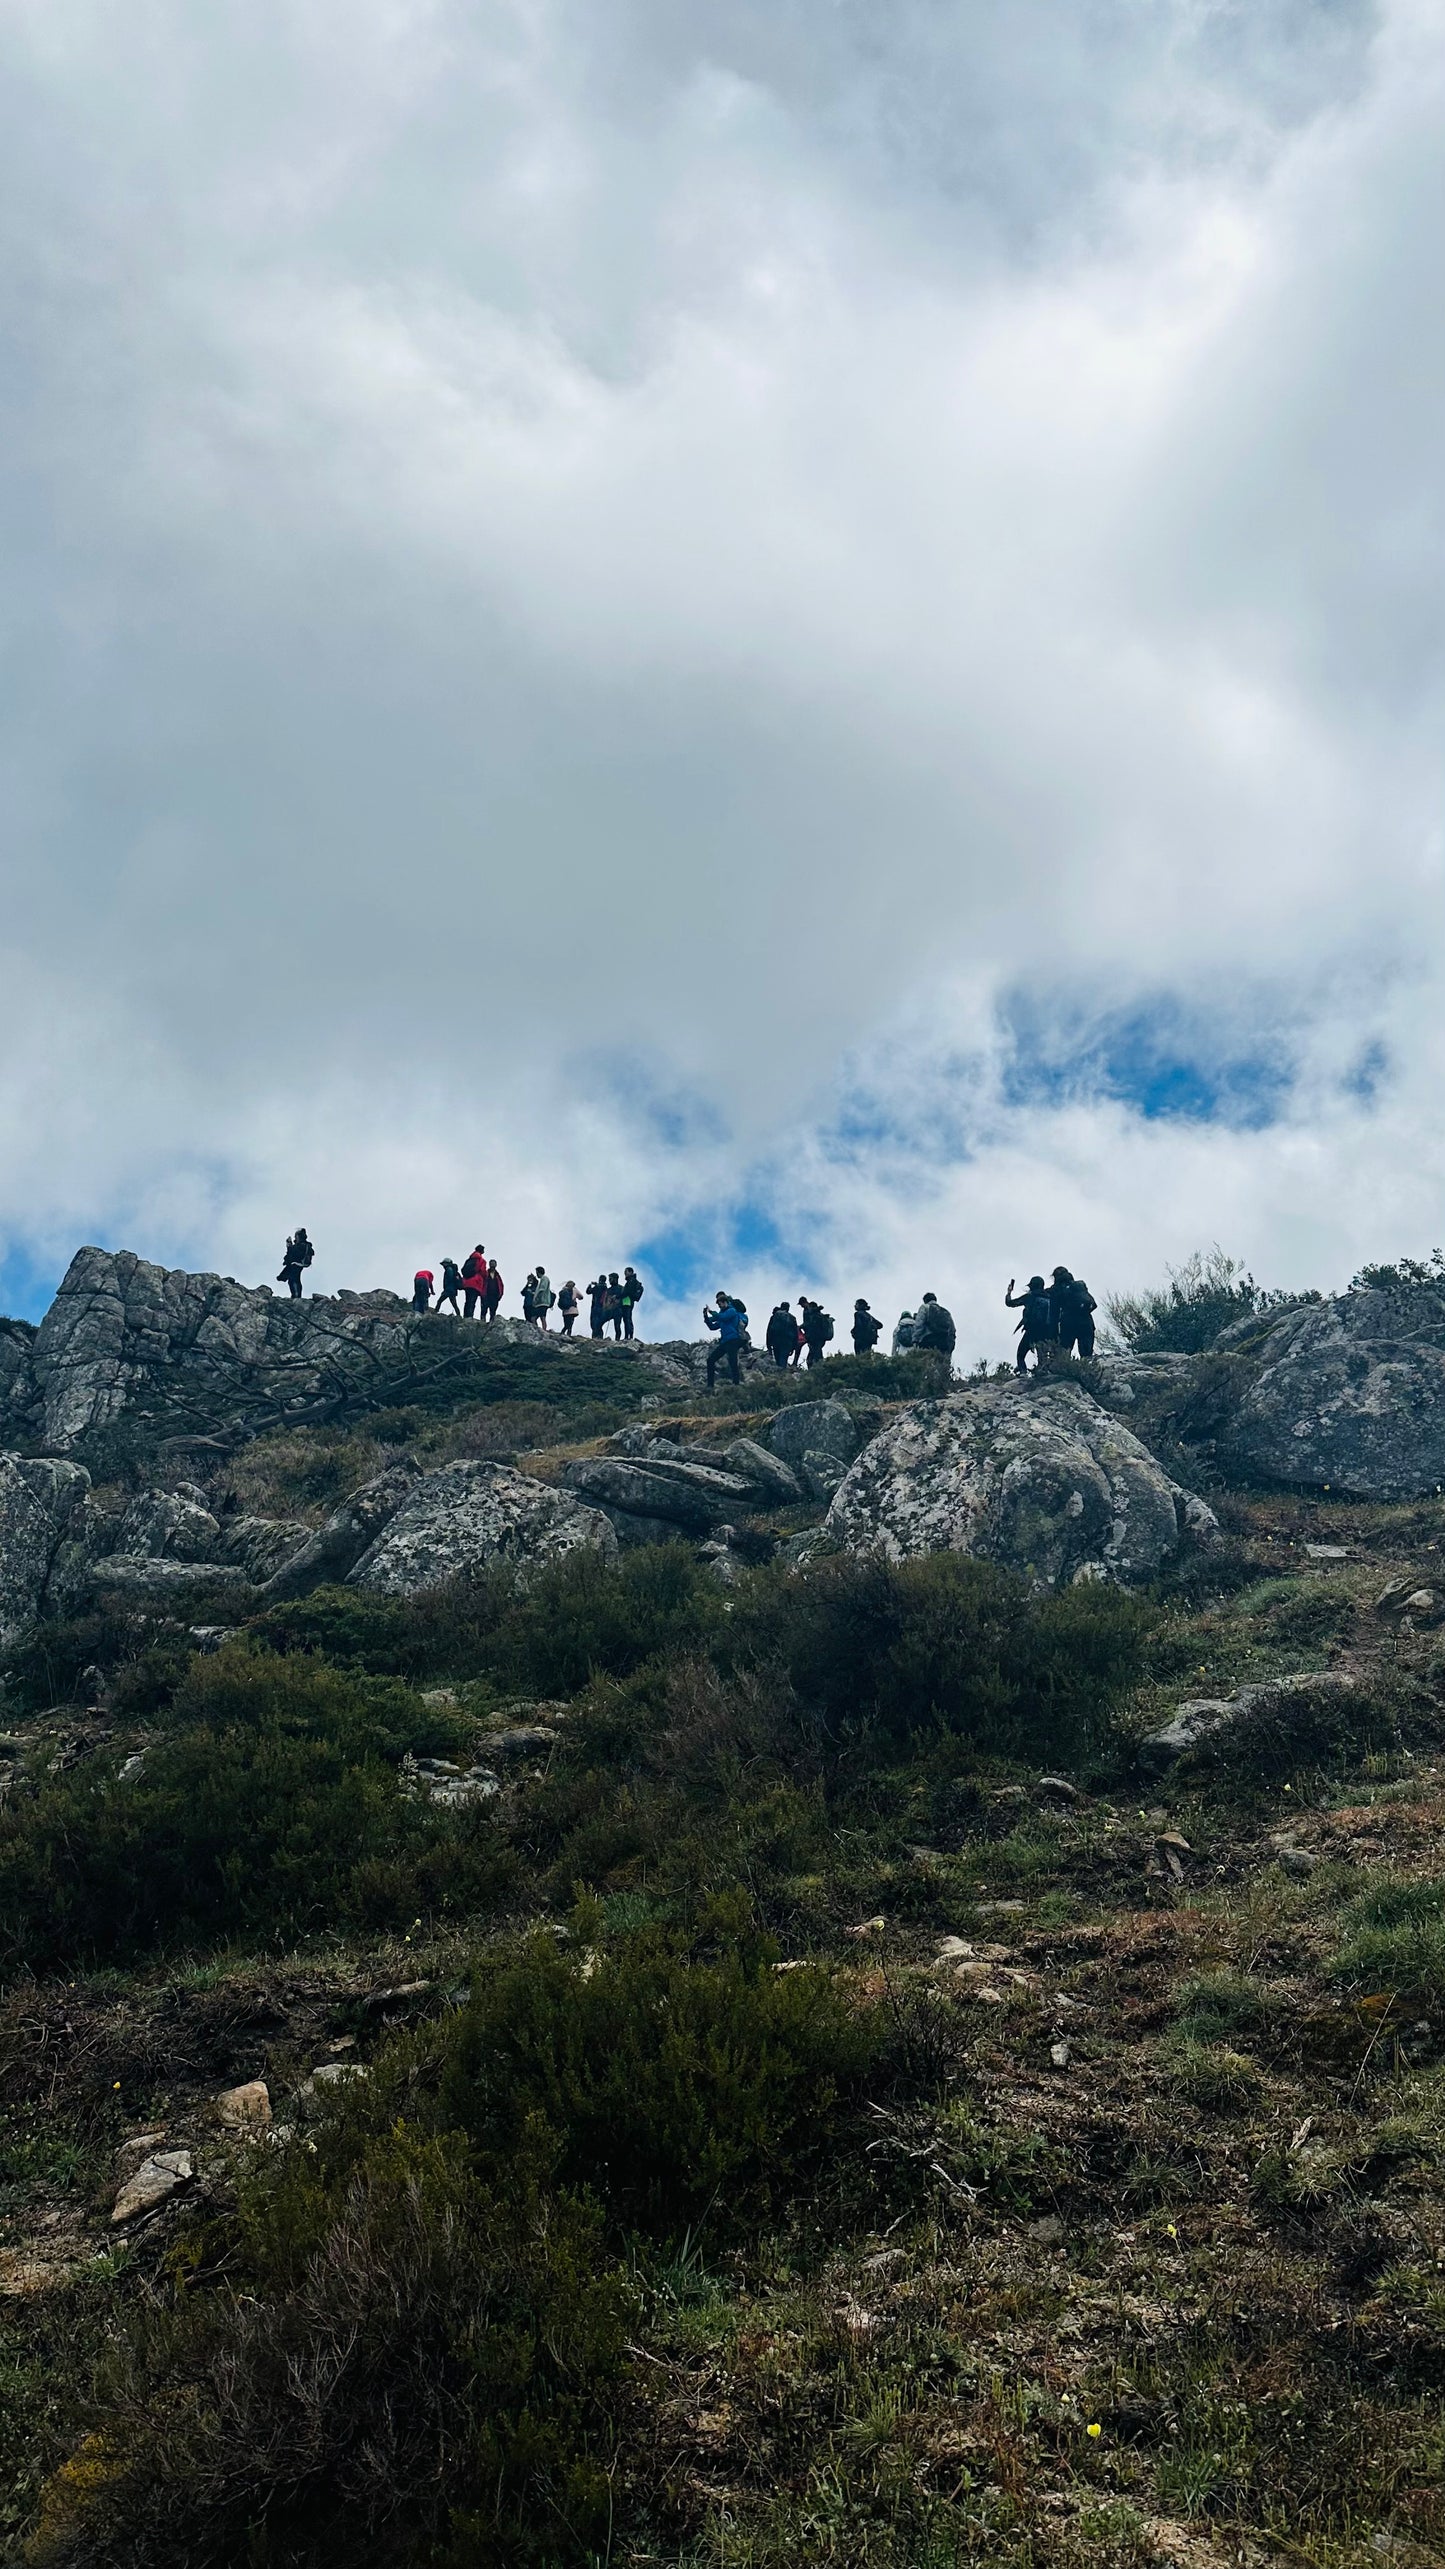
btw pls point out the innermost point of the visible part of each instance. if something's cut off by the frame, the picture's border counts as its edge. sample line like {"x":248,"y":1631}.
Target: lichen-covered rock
{"x":147,"y":1577}
{"x":820,"y":1434}
{"x":171,"y":1524}
{"x":1038,"y":1478}
{"x":120,"y":1328}
{"x":40,"y":1501}
{"x":774,"y":1483}
{"x":689,"y":1497}
{"x":333,"y":1551}
{"x":1347,"y":1394}
{"x":1207,"y":1721}
{"x":469,"y":1515}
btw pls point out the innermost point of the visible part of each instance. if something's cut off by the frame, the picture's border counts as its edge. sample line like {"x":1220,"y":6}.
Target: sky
{"x":795,"y":641}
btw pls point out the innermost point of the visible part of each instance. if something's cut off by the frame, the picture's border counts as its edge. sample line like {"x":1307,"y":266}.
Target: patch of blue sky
{"x":27,"y":1282}
{"x":687,"y":1259}
{"x":911,"y":1113}
{"x":1165,"y":1062}
{"x":1367,"y":1074}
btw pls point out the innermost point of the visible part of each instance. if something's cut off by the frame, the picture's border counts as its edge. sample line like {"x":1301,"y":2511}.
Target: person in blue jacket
{"x":729,"y":1321}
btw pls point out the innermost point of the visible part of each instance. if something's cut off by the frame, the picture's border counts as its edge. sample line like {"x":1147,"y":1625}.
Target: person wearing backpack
{"x":421,"y":1285}
{"x":298,"y":1257}
{"x":1082,"y":1308}
{"x":568,"y":1305}
{"x":495,"y":1289}
{"x":1061,"y":1303}
{"x":866,"y":1330}
{"x":474,"y":1282}
{"x":933,"y":1326}
{"x":729,"y":1320}
{"x":632,"y":1292}
{"x":1036,"y":1328}
{"x":817,"y":1330}
{"x":542,"y":1298}
{"x":782,"y":1335}
{"x":451,"y":1286}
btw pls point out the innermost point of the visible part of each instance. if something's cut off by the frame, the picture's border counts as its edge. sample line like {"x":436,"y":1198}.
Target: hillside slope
{"x":639,"y":2064}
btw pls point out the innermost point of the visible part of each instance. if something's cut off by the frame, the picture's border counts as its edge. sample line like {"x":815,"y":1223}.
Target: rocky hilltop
{"x":128,"y":1410}
{"x":123,"y":1416}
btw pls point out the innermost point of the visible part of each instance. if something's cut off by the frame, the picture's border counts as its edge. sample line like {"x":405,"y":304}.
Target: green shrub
{"x":672,"y":2083}
{"x":584,"y":1617}
{"x":1396,"y":1939}
{"x":364,"y":1716}
{"x":1312,"y":1727}
{"x":272,"y":1806}
{"x":1201,"y":1298}
{"x":48,"y":1664}
{"x":571,"y":1621}
{"x":899,"y":1648}
{"x":401,"y":2365}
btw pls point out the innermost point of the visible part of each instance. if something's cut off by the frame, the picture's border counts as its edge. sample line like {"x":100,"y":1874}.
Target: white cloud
{"x":541,"y":539}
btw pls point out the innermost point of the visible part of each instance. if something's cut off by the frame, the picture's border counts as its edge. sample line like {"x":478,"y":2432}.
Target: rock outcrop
{"x":469,"y":1515}
{"x":1347,"y":1395}
{"x":41,"y":1501}
{"x":202,"y":1360}
{"x":685,"y":1495}
{"x":817,"y":1439}
{"x":333,"y":1551}
{"x":1207,"y":1722}
{"x":1039,"y":1478}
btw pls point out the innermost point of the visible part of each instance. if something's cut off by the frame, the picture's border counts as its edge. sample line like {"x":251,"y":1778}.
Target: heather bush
{"x":676,"y":2077}
{"x":401,"y":2363}
{"x":946,"y":1643}
{"x":269,"y":1806}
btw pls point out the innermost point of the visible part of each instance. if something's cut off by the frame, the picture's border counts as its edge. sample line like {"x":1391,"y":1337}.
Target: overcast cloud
{"x":799,"y":640}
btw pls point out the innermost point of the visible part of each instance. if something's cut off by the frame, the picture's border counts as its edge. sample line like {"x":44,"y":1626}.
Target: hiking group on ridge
{"x":1056,"y":1319}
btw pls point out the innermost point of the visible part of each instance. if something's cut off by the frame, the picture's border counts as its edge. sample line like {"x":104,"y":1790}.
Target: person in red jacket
{"x":474,"y":1282}
{"x":421,"y":1285}
{"x":495,"y":1290}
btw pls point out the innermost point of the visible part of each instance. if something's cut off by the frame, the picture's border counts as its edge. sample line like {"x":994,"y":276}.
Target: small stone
{"x":1296,"y":1860}
{"x":1421,"y":1602}
{"x":1046,"y":2233}
{"x":139,"y":2146}
{"x":333,"y":2074}
{"x":955,"y":1949}
{"x":244,"y":2109}
{"x":869,"y":1927}
{"x":1058,"y":1785}
{"x":1059,"y":2055}
{"x":405,"y":1992}
{"x":154,"y":2182}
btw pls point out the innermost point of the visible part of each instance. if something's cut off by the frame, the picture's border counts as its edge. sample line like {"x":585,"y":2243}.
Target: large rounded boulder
{"x":1346,"y":1395}
{"x":468,"y":1516}
{"x":1037,"y":1477}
